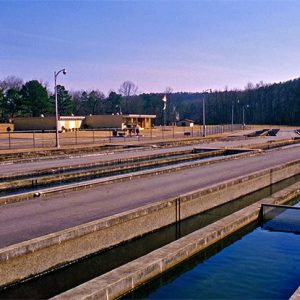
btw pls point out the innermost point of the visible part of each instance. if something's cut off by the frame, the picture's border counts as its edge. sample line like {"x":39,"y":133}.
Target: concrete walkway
{"x":40,"y":216}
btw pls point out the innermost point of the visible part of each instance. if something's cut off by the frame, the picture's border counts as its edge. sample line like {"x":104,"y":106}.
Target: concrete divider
{"x":129,"y":276}
{"x":38,"y":255}
{"x":108,"y":168}
{"x":275,"y":144}
{"x":106,"y":163}
{"x":118,"y":178}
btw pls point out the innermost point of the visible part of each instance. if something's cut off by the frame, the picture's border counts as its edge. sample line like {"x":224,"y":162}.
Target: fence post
{"x":76,"y":137}
{"x":33,"y":139}
{"x":93,"y":136}
{"x":9,"y":141}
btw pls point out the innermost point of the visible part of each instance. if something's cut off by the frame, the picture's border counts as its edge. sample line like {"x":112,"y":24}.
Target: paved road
{"x":26,"y":220}
{"x":11,"y":168}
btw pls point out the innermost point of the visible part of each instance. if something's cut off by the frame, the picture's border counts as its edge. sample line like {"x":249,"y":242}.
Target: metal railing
{"x":280,"y":218}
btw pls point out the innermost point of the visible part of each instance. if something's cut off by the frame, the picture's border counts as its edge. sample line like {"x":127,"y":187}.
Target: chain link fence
{"x":47,"y":139}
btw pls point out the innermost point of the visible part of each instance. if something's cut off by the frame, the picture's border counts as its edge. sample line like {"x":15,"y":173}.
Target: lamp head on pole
{"x":64,"y":71}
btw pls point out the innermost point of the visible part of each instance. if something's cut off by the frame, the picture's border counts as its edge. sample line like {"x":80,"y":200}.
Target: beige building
{"x":68,"y":123}
{"x":48,"y":123}
{"x":6,"y":127}
{"x":118,"y":121}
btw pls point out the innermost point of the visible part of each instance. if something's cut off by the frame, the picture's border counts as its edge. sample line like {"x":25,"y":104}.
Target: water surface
{"x":259,"y":265}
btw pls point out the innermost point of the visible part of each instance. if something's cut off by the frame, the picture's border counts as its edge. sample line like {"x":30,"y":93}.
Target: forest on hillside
{"x":277,"y":103}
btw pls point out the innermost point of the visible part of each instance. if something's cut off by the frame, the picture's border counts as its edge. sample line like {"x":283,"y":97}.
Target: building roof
{"x":186,"y":120}
{"x":71,"y":118}
{"x":139,"y":116}
{"x":62,"y":118}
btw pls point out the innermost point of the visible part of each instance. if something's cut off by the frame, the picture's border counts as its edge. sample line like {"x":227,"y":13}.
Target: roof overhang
{"x":140,"y":116}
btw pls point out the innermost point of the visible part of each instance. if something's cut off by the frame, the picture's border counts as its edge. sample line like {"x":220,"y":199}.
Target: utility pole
{"x":203,"y":113}
{"x":56,"y":107}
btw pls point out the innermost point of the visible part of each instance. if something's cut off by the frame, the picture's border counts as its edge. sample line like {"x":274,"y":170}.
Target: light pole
{"x":203,"y":113}
{"x":56,"y":106}
{"x":232,"y":112}
{"x":247,"y":106}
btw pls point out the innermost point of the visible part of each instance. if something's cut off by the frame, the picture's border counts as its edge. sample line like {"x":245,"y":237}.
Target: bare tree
{"x":168,"y":114}
{"x":168,"y":91}
{"x":249,"y":86}
{"x":11,"y":82}
{"x":127,"y":89}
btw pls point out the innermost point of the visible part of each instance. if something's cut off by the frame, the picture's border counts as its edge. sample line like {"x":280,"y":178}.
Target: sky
{"x":186,"y":45}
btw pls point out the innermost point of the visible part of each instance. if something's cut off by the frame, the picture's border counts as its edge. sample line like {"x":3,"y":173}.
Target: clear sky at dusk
{"x":185,"y":45}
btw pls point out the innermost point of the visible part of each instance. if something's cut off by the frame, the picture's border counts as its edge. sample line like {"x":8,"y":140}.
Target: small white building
{"x":185,"y":123}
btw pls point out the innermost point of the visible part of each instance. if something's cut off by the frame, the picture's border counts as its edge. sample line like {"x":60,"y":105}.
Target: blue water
{"x":282,"y":219}
{"x":260,"y":265}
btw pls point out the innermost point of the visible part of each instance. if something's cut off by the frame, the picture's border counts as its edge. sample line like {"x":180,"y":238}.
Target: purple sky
{"x":185,"y":45}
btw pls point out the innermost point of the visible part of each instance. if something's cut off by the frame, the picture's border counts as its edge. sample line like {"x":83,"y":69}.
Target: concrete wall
{"x":37,"y":123}
{"x":222,"y":193}
{"x":103,"y":121}
{"x":129,"y":276}
{"x":40,"y":254}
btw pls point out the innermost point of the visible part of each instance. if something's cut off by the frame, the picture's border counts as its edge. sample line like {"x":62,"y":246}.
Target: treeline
{"x":277,"y":103}
{"x":261,"y":103}
{"x":30,"y":99}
